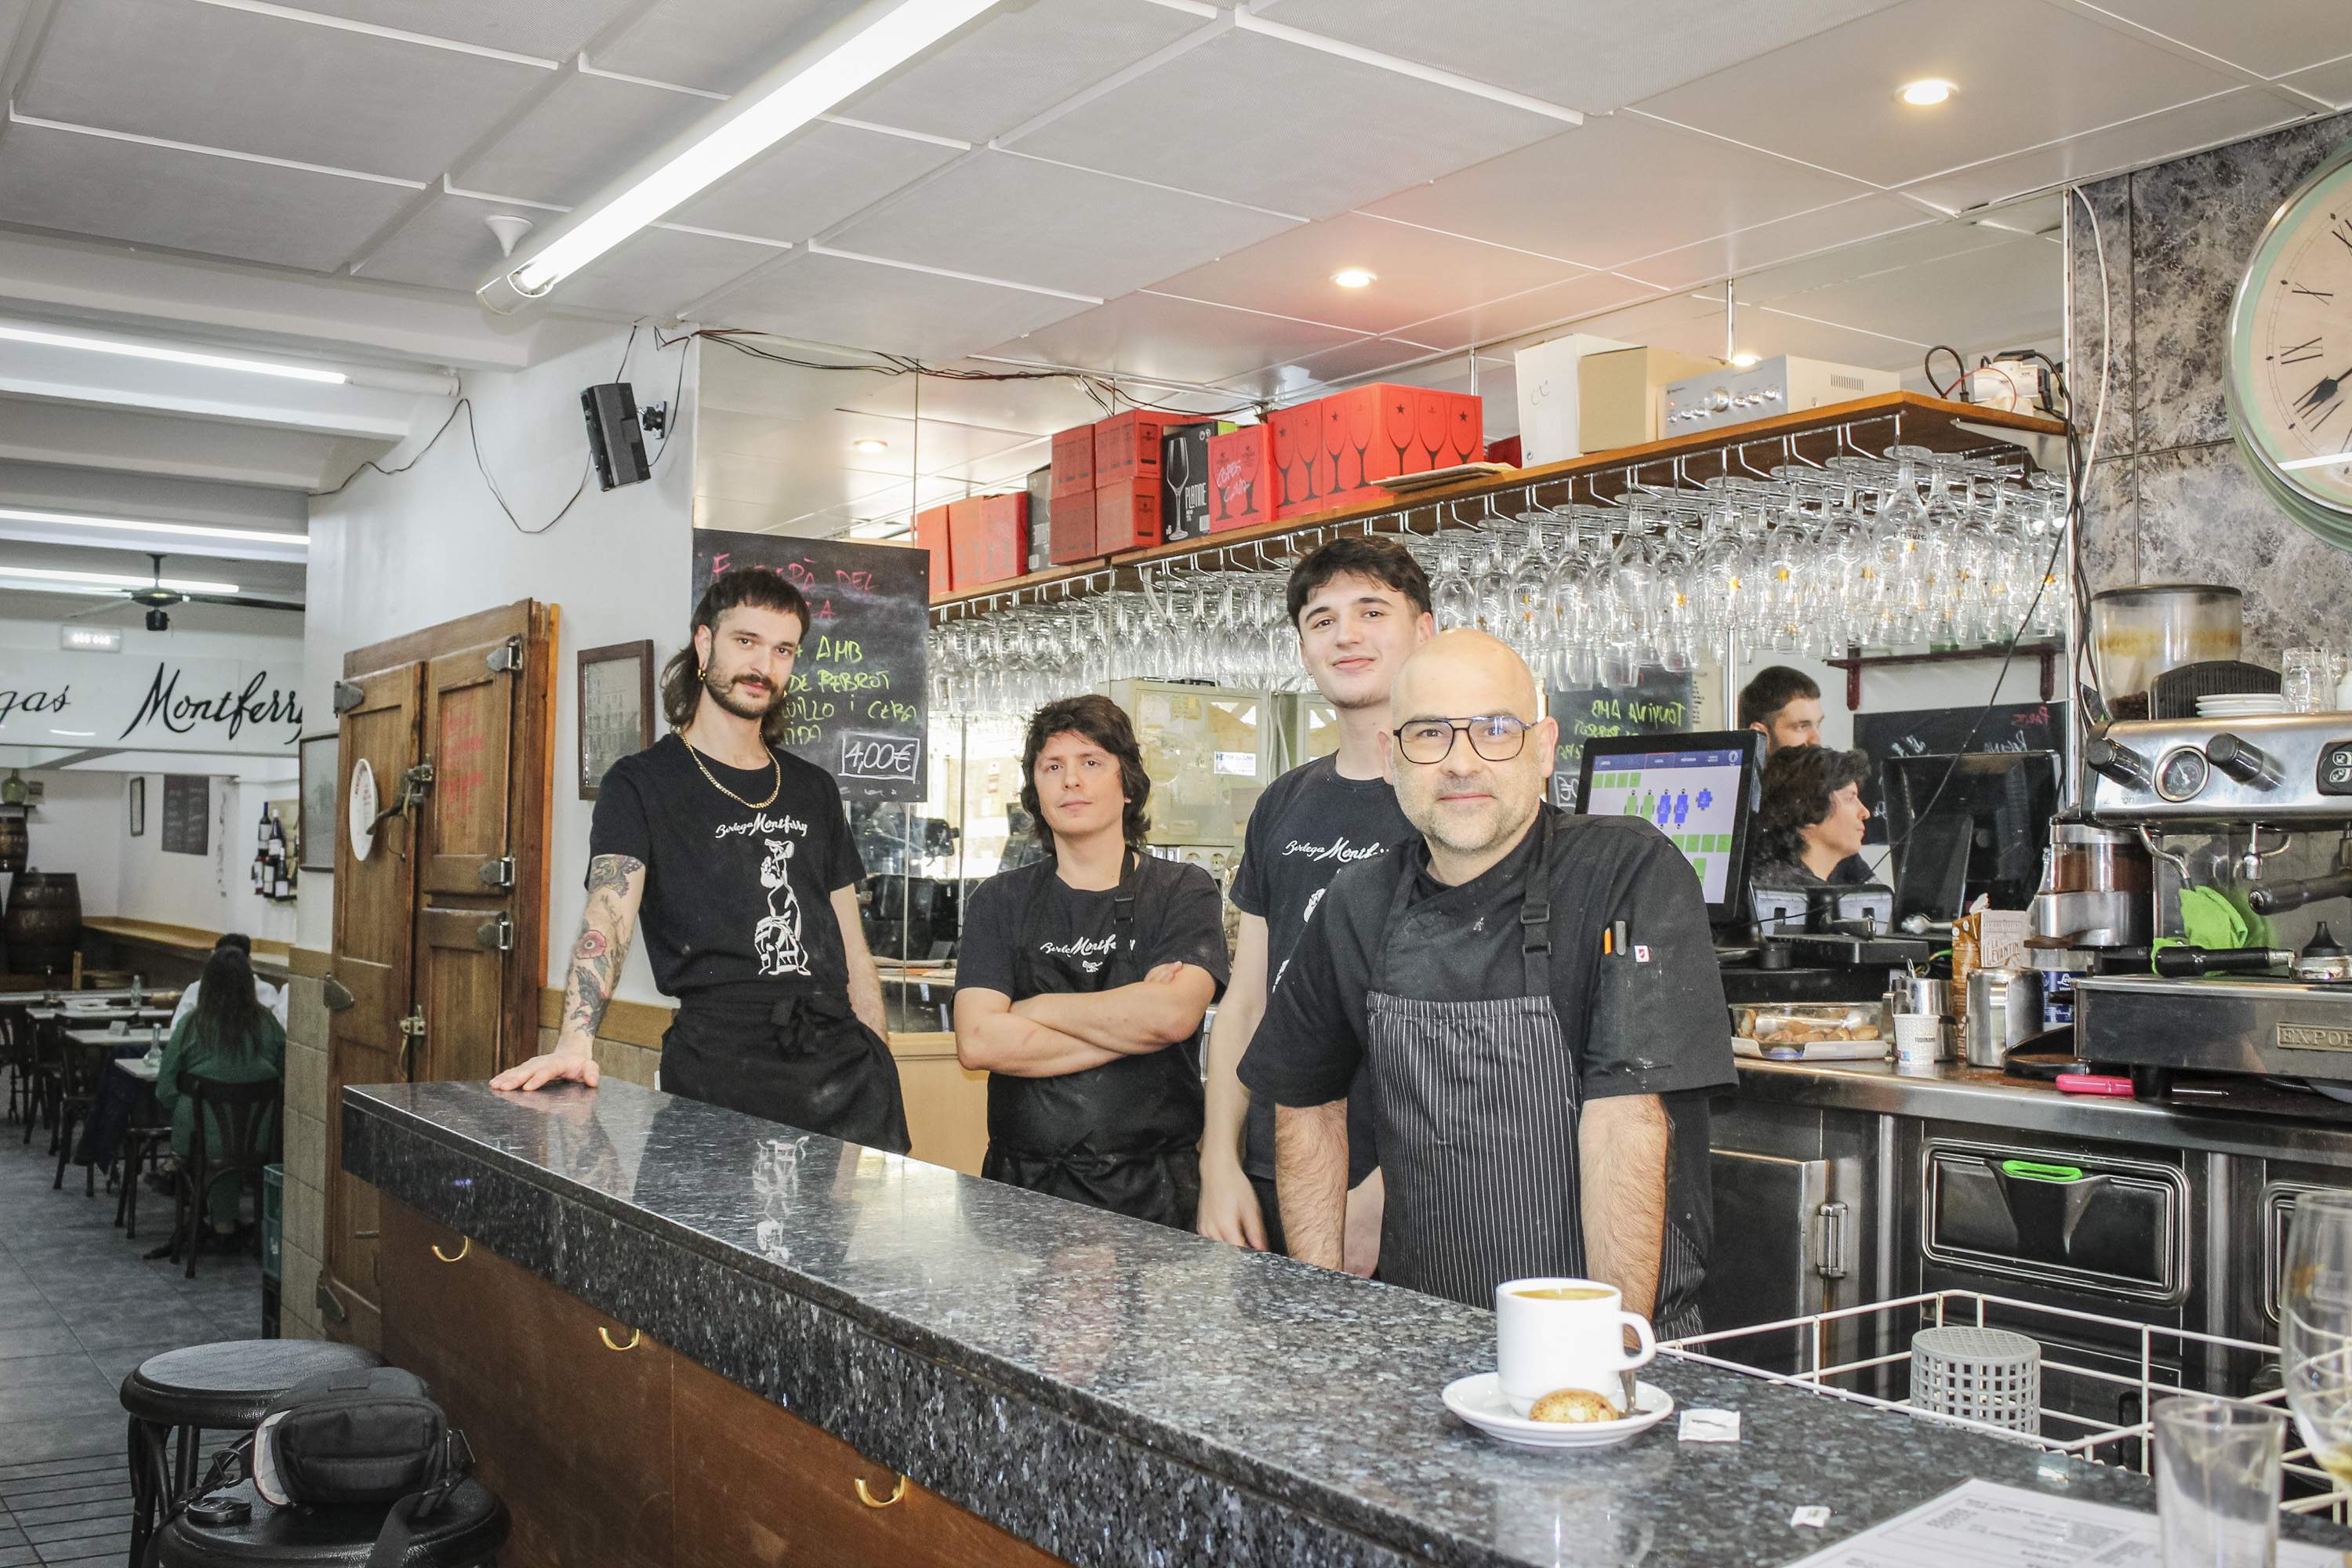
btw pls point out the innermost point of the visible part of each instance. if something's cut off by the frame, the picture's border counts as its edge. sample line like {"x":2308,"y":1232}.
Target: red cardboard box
{"x":932,"y":533}
{"x":1073,"y":528}
{"x":1334,"y":452}
{"x":1242,"y":485}
{"x":1127,"y":446}
{"x":1504,"y":451}
{"x":988,"y":539}
{"x":1126,"y":515}
{"x":1073,"y":462}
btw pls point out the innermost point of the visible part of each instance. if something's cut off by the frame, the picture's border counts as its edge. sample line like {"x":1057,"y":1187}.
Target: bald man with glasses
{"x":1534,"y":1002}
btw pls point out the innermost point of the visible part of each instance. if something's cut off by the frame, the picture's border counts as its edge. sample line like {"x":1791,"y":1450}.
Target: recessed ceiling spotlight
{"x":1354,"y":276}
{"x":1745,"y":361}
{"x":1927,"y":92}
{"x":869,"y":446}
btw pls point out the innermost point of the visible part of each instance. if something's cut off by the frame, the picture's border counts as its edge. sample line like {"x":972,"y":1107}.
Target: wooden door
{"x":374,"y":963}
{"x":466,"y":920}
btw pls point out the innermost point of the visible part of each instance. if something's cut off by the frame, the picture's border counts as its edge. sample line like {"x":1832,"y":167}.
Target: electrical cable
{"x":1927,"y":369}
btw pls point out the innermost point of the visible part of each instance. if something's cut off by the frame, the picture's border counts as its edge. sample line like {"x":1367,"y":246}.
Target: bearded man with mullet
{"x":738,"y":859}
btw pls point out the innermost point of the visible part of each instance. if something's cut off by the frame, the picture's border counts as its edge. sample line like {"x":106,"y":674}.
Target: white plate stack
{"x":2242,"y":705}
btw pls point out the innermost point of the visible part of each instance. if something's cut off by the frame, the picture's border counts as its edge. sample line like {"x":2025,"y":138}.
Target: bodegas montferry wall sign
{"x":129,"y":703}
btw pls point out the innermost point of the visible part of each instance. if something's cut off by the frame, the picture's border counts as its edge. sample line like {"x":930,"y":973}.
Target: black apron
{"x":1124,"y":1136}
{"x":803,"y":1059}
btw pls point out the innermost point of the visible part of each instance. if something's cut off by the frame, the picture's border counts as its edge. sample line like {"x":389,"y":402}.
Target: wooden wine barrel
{"x":43,"y":922}
{"x":14,"y":841}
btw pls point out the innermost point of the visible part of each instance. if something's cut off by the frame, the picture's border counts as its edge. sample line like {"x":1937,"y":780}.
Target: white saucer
{"x":1479,"y":1401}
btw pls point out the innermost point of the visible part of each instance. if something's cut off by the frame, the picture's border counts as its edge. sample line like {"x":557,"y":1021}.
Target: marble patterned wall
{"x":2170,"y":500}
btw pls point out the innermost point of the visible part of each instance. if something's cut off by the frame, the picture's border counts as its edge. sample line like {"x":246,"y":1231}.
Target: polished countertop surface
{"x":1111,"y":1390}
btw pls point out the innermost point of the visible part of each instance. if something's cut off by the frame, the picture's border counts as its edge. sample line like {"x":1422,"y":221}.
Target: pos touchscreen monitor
{"x":1700,"y":790}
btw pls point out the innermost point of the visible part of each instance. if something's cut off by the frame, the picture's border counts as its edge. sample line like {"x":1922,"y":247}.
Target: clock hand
{"x":2324,"y":392}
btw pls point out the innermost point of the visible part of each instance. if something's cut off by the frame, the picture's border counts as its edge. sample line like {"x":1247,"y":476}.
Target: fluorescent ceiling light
{"x":117,"y":580}
{"x":142,"y":525}
{"x":1927,"y":92}
{"x":172,"y":356}
{"x":1354,"y":276}
{"x":812,"y":81}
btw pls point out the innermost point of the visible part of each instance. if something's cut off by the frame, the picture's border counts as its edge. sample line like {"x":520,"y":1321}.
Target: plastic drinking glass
{"x":2217,"y":1482}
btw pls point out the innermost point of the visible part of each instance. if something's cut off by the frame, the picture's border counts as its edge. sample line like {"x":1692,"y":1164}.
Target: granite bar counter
{"x":1109,"y":1389}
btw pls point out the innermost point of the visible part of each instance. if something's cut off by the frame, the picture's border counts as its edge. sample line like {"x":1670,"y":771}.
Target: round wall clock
{"x":2290,"y":383}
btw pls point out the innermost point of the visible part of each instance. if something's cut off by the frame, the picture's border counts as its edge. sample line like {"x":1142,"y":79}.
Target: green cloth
{"x":192,"y":1049}
{"x":2208,"y":919}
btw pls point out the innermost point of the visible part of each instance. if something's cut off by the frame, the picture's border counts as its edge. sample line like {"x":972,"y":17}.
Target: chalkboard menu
{"x":861,"y":682}
{"x":1943,"y":732}
{"x":187,"y":814}
{"x":1657,"y":704}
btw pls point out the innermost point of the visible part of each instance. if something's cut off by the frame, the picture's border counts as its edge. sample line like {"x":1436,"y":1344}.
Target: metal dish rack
{"x":1896,"y":1320}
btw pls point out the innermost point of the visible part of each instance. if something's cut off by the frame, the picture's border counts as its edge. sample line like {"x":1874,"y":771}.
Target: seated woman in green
{"x":229,"y":1038}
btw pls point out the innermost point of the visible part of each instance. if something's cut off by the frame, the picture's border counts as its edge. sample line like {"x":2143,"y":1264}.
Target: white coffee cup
{"x":1552,"y":1333}
{"x":1919,"y":1039}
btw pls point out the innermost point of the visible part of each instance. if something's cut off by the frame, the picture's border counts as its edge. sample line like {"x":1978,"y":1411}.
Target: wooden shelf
{"x":1911,"y":419}
{"x":1854,"y":662}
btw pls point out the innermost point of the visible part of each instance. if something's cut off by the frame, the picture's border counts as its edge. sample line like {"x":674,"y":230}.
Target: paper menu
{"x":1983,"y":1524}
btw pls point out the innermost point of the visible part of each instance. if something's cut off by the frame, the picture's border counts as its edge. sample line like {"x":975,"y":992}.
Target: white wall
{"x":1908,"y":688}
{"x":395,"y":554}
{"x":78,"y":828}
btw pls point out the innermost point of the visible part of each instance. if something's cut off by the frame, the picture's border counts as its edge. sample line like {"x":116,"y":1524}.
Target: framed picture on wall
{"x":138,"y":795}
{"x":616,"y":708}
{"x":317,"y":819}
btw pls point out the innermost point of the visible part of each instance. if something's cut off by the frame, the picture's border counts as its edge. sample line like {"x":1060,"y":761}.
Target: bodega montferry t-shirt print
{"x":734,"y":894}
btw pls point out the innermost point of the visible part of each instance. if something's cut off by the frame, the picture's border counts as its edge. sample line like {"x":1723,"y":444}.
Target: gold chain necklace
{"x":775,"y":761}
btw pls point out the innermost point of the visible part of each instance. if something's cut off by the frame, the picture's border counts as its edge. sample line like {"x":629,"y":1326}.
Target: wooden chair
{"x":249,"y":1118}
{"x":16,"y":1061}
{"x":48,"y":1066}
{"x":78,"y":1070}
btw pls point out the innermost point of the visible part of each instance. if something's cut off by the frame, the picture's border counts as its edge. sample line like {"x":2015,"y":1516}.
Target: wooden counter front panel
{"x":641,"y":1458}
{"x":574,"y":1436}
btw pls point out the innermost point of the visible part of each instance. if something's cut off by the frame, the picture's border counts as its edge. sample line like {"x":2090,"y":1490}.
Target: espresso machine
{"x":2251,"y":816}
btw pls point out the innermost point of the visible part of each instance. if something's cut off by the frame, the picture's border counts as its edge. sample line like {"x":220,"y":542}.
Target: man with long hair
{"x":1360,"y":606}
{"x":738,"y":857}
{"x":1083,"y":979}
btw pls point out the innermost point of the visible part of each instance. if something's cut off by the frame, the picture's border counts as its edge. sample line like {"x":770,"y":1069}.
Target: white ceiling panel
{"x":1362,"y":360}
{"x":553,"y":30}
{"x":833,"y":300}
{"x":659,"y":271}
{"x":1906,"y":249}
{"x":1028,"y":221}
{"x":717,"y":44}
{"x":12,"y":19}
{"x":1977,"y":299}
{"x":2028,"y":73}
{"x":1771,"y":244}
{"x":2221,"y":118}
{"x":1507,"y":317}
{"x":580,"y":138}
{"x":1695,"y":326}
{"x":2330,"y":83}
{"x":1150,"y":334}
{"x":1252,"y":118}
{"x":2269,"y":38}
{"x":145,"y":194}
{"x":1622,"y":187}
{"x":1421,"y":273}
{"x":812,"y":182}
{"x":1016,"y":61}
{"x":254,"y":83}
{"x":445,"y":245}
{"x":1589,"y":56}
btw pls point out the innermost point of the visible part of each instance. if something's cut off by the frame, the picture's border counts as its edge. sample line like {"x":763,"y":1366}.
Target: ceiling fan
{"x":157,"y":599}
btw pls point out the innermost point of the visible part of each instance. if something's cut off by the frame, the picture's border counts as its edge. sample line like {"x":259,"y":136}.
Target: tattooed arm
{"x":615,"y":885}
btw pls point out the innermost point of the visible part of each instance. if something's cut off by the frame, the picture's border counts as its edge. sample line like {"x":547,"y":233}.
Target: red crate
{"x":1333,"y":452}
{"x":988,"y":539}
{"x":1073,"y":462}
{"x":1126,"y":515}
{"x":933,"y":532}
{"x":1242,"y":485}
{"x":1073,"y":528}
{"x":1126,"y":446}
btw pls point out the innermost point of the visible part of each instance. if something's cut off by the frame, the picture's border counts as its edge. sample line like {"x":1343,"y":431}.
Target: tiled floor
{"x":79,"y":1308}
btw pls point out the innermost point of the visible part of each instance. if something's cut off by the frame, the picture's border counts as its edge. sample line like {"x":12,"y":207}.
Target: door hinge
{"x":1829,"y":1260}
{"x":495,"y":934}
{"x":498,"y":873}
{"x":338,"y":997}
{"x":412,"y":1029}
{"x":507,"y":657}
{"x":329,"y":1305}
{"x":413,"y":1026}
{"x":349,"y":694}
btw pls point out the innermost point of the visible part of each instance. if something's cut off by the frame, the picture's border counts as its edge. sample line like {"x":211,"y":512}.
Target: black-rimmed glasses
{"x":1498,"y":737}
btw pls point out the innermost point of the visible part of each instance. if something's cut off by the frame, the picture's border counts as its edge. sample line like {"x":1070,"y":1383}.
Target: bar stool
{"x":465,"y":1531}
{"x":175,"y":1397}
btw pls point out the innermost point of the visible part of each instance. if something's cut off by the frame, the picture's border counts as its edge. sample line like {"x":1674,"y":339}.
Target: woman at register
{"x":1811,"y":826}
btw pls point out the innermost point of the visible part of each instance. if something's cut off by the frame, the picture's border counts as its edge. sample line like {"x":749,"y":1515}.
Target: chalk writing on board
{"x":187,"y":814}
{"x":1659,"y":704}
{"x":879,"y":756}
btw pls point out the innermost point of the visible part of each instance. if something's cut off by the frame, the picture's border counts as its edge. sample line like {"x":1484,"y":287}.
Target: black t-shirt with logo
{"x":734,"y":894}
{"x":1177,"y":920}
{"x":1310,"y":824}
